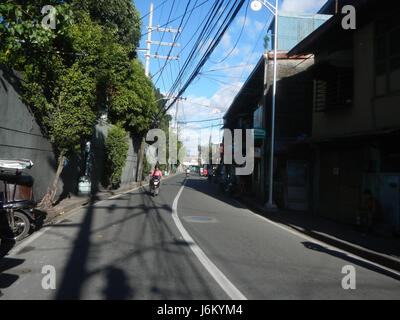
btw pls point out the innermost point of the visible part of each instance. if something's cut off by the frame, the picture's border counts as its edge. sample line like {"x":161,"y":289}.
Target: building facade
{"x":356,"y":112}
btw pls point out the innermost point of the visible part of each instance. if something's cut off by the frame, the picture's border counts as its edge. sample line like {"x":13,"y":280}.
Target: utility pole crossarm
{"x":163,"y":57}
{"x":164,"y":29}
{"x":164,"y":43}
{"x":149,"y":42}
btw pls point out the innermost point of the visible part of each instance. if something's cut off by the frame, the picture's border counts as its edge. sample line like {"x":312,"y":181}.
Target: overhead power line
{"x":237,"y":41}
{"x":147,"y":14}
{"x":182,"y":122}
{"x":177,"y":18}
{"x":227,"y":21}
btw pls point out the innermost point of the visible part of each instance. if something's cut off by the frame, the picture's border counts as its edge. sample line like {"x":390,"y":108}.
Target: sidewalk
{"x":382,"y":250}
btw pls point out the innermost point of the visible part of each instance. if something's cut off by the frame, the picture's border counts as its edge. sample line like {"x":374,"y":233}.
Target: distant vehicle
{"x":205,"y":172}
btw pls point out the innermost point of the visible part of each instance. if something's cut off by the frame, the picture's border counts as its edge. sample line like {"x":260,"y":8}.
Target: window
{"x":333,"y":88}
{"x":387,"y":55}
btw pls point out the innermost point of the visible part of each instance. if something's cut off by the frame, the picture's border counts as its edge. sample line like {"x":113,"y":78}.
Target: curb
{"x":367,"y":254}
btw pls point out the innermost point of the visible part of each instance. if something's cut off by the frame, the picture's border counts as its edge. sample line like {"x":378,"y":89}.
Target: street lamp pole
{"x":256,"y":6}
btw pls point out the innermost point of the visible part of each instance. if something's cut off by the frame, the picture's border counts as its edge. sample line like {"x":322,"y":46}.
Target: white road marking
{"x":212,"y":269}
{"x":305,"y":237}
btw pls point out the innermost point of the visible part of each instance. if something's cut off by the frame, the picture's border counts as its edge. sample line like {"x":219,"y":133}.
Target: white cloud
{"x":302,"y":6}
{"x":226,"y":41}
{"x":196,"y":108}
{"x":243,"y":20}
{"x":259,"y":25}
{"x":234,"y":52}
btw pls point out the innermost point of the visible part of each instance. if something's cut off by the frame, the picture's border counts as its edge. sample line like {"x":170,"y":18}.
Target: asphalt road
{"x":190,"y":242}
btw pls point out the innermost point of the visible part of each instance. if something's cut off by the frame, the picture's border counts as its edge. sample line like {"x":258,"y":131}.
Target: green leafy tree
{"x":133,"y":102}
{"x":116,"y":152}
{"x":120,"y":17}
{"x":21,"y":25}
{"x":64,"y":86}
{"x":146,"y":168}
{"x":132,"y":106}
{"x":66,"y":112}
{"x":72,"y":72}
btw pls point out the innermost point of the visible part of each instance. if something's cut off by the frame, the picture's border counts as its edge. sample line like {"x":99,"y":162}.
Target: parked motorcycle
{"x":228,"y":185}
{"x":211,"y":175}
{"x":17,"y":213}
{"x":155,"y":185}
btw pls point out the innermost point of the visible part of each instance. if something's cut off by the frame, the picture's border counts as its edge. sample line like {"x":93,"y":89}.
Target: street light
{"x":256,"y":6}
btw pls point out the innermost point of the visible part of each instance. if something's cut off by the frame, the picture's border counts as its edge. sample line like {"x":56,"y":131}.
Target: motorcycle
{"x":17,"y":213}
{"x":155,"y":186}
{"x":229,"y":185}
{"x":211,"y":175}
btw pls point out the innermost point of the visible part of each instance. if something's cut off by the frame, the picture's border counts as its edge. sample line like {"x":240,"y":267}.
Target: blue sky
{"x":211,"y":93}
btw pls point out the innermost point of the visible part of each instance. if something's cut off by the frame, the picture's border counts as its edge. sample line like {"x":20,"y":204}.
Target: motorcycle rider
{"x":156,"y":174}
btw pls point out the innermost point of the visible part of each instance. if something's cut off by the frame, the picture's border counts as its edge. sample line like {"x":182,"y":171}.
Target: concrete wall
{"x":129,"y":171}
{"x":293,"y":99}
{"x":20,"y":137}
{"x":368,"y":112}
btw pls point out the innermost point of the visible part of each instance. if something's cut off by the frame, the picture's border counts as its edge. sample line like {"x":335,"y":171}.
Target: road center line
{"x":212,"y":269}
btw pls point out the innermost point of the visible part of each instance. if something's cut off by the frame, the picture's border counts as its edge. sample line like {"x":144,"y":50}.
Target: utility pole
{"x":256,"y":5}
{"x":149,"y":42}
{"x":148,"y":55}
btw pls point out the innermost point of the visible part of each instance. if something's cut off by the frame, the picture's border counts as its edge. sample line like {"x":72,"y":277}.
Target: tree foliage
{"x":120,"y":17}
{"x":21,"y":24}
{"x":133,"y":103}
{"x":86,"y":65}
{"x":116,"y":152}
{"x":146,"y":168}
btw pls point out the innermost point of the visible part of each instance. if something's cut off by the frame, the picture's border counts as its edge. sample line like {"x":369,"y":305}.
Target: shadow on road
{"x":142,"y":226}
{"x":5,"y":247}
{"x":6,"y":280}
{"x":353,"y":260}
{"x":314,"y":227}
{"x":211,"y":189}
{"x":117,"y":285}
